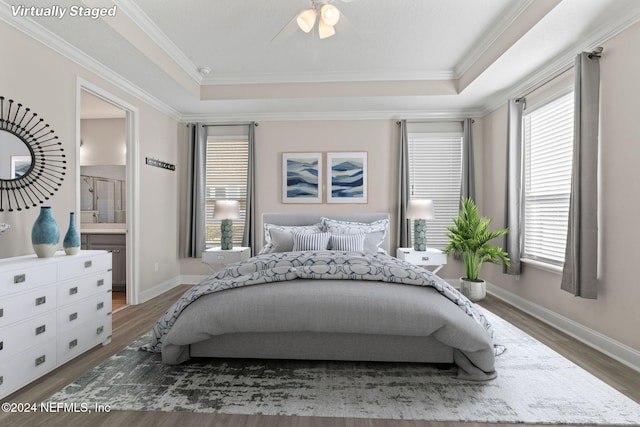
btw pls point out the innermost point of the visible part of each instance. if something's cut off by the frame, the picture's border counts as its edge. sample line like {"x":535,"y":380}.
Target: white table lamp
{"x":420,"y":211}
{"x":227,"y":211}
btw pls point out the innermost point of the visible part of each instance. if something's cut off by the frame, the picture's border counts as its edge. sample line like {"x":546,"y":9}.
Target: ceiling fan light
{"x":325,"y":30}
{"x":330,"y":14}
{"x":306,"y":19}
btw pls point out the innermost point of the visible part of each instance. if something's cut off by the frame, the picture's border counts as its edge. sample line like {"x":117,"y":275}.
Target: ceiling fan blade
{"x":287,"y":31}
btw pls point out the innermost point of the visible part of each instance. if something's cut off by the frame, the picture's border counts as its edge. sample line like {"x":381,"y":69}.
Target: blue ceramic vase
{"x":45,"y":234}
{"x":71,"y":242}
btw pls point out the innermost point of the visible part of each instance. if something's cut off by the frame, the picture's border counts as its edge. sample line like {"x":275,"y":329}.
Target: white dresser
{"x":51,"y":310}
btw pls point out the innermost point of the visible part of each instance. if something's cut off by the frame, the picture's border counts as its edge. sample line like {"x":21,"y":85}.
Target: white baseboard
{"x":167,"y":285}
{"x":612,"y":348}
{"x":159,"y":289}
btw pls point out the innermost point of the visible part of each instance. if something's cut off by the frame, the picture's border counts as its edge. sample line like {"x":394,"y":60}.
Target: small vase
{"x":45,"y":234}
{"x":71,"y":242}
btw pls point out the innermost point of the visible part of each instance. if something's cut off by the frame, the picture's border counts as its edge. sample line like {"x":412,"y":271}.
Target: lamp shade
{"x":306,"y":19}
{"x":420,"y":209}
{"x":325,"y":30}
{"x":226,"y":209}
{"x":330,"y":14}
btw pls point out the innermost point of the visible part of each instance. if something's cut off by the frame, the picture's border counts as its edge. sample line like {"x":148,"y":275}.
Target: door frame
{"x":132,"y":175}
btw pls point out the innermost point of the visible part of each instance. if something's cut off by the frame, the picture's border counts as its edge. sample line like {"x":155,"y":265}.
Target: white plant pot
{"x":475,"y":291}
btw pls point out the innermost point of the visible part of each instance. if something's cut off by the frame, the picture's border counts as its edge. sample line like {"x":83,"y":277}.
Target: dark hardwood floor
{"x":132,"y":321}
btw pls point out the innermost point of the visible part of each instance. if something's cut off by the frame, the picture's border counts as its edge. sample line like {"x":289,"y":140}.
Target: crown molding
{"x":330,"y":115}
{"x":480,"y":47}
{"x":326,"y":77}
{"x":599,"y":36}
{"x":143,"y":21}
{"x":59,"y":45}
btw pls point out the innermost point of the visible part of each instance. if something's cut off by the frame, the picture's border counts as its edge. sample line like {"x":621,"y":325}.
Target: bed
{"x":296,"y":300}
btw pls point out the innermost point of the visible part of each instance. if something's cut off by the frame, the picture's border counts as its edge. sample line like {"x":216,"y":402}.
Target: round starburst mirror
{"x":32,"y":160}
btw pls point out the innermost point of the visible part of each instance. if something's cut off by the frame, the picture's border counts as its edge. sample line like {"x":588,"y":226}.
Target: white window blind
{"x":227,"y":161}
{"x":435,"y":172}
{"x":548,"y":140}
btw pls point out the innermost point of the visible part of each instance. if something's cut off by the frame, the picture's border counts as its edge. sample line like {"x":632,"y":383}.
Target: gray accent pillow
{"x":375,"y":232}
{"x":279,"y":238}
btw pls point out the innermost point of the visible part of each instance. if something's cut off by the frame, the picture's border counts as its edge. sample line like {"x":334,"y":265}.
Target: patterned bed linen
{"x":329,"y":265}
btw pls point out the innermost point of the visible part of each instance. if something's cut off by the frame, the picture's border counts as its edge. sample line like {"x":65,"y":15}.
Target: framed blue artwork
{"x":302,"y":177}
{"x":347,"y":177}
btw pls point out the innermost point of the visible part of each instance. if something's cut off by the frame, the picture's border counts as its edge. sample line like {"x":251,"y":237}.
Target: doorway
{"x":106,"y":176}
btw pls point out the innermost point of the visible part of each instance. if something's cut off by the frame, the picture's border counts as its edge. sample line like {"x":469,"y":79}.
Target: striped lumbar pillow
{"x":311,"y":241}
{"x":347,"y":242}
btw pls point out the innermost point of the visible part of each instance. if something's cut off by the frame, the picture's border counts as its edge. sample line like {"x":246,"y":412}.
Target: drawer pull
{"x":1,"y":345}
{"x":73,"y":343}
{"x":41,"y":329}
{"x":1,"y":312}
{"x":41,"y":300}
{"x":88,"y":264}
{"x":101,"y":282}
{"x":19,"y":278}
{"x":73,"y":291}
{"x":425,"y":258}
{"x":1,"y":379}
{"x":100,"y":306}
{"x":100,"y":330}
{"x":40,"y":360}
{"x":73,"y":316}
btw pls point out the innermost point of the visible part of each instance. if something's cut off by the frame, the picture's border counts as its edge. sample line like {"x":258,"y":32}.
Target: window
{"x":548,"y":142}
{"x":227,"y":163}
{"x":435,"y":172}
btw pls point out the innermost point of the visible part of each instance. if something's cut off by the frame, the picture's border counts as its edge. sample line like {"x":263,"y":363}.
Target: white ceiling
{"x":388,"y":59}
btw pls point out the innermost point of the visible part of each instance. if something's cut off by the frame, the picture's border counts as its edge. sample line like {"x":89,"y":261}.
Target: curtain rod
{"x":550,"y":79}
{"x":435,"y":121}
{"x":595,"y":53}
{"x":230,"y":124}
{"x":221,"y":124}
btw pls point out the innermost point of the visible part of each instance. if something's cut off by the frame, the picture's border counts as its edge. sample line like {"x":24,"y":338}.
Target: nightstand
{"x":219,"y":257}
{"x":430,"y":258}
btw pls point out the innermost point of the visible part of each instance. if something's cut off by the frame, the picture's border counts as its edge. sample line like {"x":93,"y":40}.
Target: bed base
{"x":325,"y":346}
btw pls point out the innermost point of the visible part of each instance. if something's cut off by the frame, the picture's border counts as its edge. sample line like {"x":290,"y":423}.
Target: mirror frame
{"x":48,"y":161}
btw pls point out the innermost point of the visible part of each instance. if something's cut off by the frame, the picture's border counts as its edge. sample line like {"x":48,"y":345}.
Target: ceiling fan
{"x":324,"y":12}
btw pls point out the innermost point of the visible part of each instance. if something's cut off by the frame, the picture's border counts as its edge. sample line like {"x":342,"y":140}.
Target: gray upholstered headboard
{"x":310,"y":219}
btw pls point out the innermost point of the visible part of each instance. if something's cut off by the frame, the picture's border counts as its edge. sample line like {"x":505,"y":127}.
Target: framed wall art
{"x":347,"y":177}
{"x":302,"y":177}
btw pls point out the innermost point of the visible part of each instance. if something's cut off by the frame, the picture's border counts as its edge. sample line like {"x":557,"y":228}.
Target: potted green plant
{"x":469,"y":237}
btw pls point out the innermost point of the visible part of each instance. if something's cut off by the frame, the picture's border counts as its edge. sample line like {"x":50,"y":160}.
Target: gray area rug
{"x":534,"y":385}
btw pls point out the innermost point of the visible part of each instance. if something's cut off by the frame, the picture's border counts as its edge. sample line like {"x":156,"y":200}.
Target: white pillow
{"x":311,"y":241}
{"x":279,"y":238}
{"x":375,"y":232}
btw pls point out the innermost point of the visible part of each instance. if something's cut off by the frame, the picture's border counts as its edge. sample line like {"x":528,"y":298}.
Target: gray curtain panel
{"x":580,"y":274}
{"x":249,"y":236}
{"x":513,"y":193}
{"x":404,"y":232}
{"x":196,"y":203}
{"x":468,"y":185}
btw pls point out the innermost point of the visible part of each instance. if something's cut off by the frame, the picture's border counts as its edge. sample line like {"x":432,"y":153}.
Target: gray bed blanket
{"x":447,"y":315}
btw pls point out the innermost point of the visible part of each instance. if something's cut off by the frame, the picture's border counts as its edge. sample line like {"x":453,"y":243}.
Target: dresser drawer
{"x":430,"y":257}
{"x":22,"y":306}
{"x":20,"y":336}
{"x":32,"y":275}
{"x":26,"y":366}
{"x":72,"y":291}
{"x":82,"y":265}
{"x":80,"y":339}
{"x":84,"y":311}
